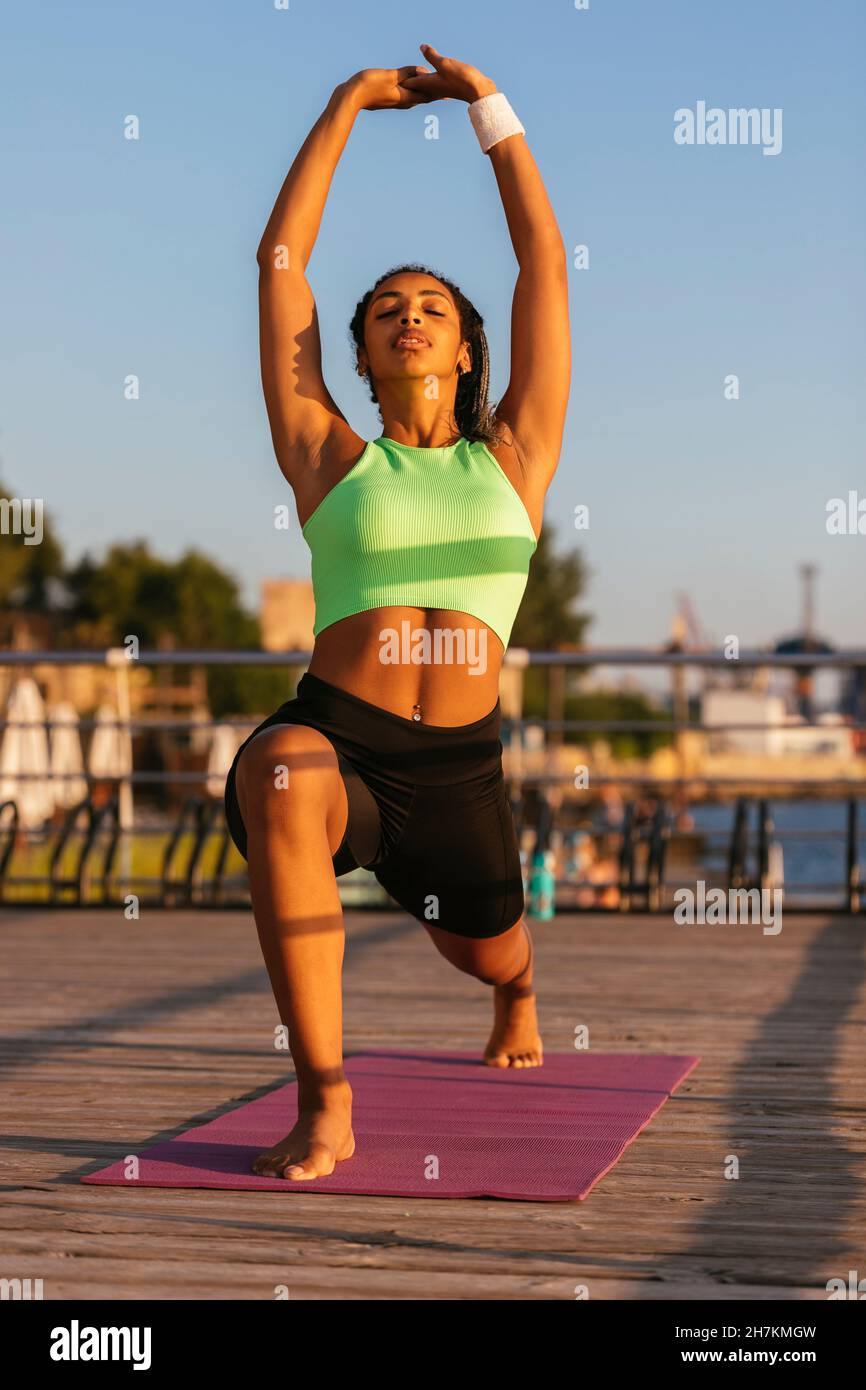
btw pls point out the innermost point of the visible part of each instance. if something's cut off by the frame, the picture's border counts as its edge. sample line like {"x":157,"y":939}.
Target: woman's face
{"x":412,"y":329}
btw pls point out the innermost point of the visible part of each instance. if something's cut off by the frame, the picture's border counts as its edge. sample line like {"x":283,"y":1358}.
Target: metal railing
{"x":82,"y":866}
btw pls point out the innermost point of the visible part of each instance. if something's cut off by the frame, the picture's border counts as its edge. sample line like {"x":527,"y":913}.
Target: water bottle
{"x":542,"y":886}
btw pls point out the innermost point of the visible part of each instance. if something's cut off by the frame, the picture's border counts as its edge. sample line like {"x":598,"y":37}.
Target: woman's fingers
{"x":431,"y":54}
{"x":407,"y":75}
{"x":396,"y":87}
{"x":426,"y":86}
{"x":429,"y":82}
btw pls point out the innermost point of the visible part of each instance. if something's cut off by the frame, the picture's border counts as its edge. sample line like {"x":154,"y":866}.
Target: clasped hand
{"x":380,"y":88}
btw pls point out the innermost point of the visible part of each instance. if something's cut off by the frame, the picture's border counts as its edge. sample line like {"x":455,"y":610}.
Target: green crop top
{"x":428,"y":528}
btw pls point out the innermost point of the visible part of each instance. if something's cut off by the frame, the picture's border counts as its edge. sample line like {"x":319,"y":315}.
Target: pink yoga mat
{"x":440,"y":1124}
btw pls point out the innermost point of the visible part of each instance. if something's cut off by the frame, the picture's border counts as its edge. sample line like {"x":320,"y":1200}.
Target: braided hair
{"x":473,"y":413}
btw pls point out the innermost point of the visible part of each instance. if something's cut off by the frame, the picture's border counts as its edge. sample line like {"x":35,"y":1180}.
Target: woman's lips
{"x":411,"y":341}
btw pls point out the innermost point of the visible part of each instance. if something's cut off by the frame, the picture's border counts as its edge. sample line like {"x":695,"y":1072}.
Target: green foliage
{"x":617,"y":705}
{"x":191,"y":601}
{"x":249,"y":689}
{"x":547,"y":618}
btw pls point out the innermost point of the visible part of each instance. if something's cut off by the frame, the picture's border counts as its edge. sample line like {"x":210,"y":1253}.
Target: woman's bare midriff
{"x":454,"y":679}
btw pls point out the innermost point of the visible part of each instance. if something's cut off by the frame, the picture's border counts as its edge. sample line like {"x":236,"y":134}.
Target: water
{"x":808,"y":862}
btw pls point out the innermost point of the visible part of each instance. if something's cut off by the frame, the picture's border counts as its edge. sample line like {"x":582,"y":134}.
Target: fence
{"x":93,"y":855}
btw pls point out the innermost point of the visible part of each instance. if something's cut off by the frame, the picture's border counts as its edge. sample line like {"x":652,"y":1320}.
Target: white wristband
{"x":493,"y":119}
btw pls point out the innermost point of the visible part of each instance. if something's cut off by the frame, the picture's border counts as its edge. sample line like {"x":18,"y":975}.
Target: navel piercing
{"x":418,"y":715}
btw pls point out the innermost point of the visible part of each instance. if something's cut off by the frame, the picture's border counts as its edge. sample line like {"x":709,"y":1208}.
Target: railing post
{"x":765,"y":833}
{"x":852,"y":857}
{"x":739,"y":843}
{"x":626,"y":859}
{"x":659,"y":836}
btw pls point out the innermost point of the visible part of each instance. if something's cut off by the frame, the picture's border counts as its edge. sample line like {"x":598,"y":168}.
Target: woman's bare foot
{"x":320,"y":1140}
{"x":515,"y":1040}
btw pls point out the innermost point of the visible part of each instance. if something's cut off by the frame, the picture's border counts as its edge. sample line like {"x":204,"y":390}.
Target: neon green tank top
{"x":428,"y":528}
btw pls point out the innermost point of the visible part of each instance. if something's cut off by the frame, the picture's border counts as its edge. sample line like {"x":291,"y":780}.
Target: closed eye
{"x":437,"y":313}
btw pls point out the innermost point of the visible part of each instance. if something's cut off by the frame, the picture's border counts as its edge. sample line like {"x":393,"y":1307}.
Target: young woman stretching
{"x":389,"y":755}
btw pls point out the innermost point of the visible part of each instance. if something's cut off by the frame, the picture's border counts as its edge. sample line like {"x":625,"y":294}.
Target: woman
{"x":389,"y":756}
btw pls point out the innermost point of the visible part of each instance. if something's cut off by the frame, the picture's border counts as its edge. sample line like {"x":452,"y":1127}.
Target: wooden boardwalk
{"x":116,"y":1033}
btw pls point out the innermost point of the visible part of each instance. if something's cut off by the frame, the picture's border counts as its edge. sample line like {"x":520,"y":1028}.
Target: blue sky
{"x":139,"y":257}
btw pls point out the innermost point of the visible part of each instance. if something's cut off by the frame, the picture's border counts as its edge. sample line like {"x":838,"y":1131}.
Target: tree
{"x":133,"y":592}
{"x":26,"y":571}
{"x":618,"y":706}
{"x":547,"y":618}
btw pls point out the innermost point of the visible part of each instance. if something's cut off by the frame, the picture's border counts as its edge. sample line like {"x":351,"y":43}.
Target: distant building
{"x":286,"y":615}
{"x":743,"y":707}
{"x":783,"y":736}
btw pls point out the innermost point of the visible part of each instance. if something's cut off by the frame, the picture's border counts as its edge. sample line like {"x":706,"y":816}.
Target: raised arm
{"x":534,"y":405}
{"x":304,"y":418}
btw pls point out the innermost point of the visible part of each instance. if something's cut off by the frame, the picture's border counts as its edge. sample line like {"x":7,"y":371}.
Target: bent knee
{"x":493,"y":956}
{"x":288,"y":758}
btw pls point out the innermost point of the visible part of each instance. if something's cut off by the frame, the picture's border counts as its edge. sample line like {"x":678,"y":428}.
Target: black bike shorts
{"x":429,"y":813}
